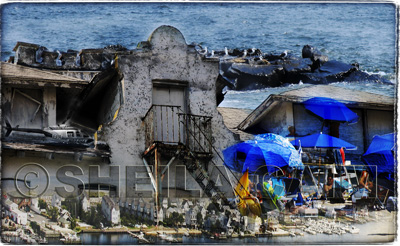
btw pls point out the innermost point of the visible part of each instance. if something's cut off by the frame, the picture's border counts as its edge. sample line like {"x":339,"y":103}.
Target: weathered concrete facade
{"x":168,"y":59}
{"x":156,"y":72}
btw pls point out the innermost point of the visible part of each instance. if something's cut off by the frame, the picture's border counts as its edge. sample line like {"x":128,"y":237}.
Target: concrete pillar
{"x":50,"y":105}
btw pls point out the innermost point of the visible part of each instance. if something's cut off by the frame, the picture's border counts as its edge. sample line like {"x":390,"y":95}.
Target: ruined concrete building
{"x":152,"y":112}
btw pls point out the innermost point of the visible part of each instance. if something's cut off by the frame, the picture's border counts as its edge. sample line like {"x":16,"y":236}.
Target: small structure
{"x":285,"y":217}
{"x":12,"y":211}
{"x":191,"y":217}
{"x":278,"y":112}
{"x":9,"y":205}
{"x":85,"y":201}
{"x":110,"y":210}
{"x":160,"y":216}
{"x":64,"y":222}
{"x":23,"y":202}
{"x":35,"y":205}
{"x":65,"y":214}
{"x":18,"y":216}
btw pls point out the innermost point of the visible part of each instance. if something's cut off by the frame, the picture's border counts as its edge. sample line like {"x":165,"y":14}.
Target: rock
{"x":250,"y":77}
{"x":91,"y":59}
{"x":293,"y":67}
{"x":360,"y":76}
{"x":330,"y":71}
{"x":236,"y":52}
{"x":271,"y":70}
{"x":336,"y":67}
{"x":115,"y":47}
{"x":254,"y":52}
{"x":315,"y":55}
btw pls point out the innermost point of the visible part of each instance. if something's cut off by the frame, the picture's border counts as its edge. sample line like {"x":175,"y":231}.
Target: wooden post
{"x":157,"y":178}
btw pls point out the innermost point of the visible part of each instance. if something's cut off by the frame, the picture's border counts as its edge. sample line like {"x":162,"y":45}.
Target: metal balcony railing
{"x":170,"y":125}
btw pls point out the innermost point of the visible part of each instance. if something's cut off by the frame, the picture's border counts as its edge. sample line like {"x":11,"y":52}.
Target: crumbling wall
{"x":34,"y":55}
{"x":166,"y":58}
{"x":279,"y":119}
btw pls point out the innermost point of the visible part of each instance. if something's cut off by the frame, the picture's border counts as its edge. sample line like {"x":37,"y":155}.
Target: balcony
{"x":170,"y":126}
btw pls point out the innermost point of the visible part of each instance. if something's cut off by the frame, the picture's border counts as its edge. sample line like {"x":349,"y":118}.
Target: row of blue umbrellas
{"x":320,"y":140}
{"x":270,"y":152}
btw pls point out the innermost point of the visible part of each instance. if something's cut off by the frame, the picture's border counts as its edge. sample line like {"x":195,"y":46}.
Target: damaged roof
{"x":232,"y":117}
{"x":22,"y":75}
{"x":99,"y":102}
{"x":56,"y":149}
{"x":351,"y":98}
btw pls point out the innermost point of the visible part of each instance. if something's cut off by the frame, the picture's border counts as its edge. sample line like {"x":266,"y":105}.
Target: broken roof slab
{"x":46,"y":148}
{"x":349,"y":97}
{"x":27,"y":76}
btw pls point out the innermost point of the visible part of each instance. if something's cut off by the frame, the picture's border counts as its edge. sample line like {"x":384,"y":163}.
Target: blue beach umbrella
{"x":380,"y":153}
{"x":330,"y":109}
{"x":263,"y":154}
{"x":320,"y":140}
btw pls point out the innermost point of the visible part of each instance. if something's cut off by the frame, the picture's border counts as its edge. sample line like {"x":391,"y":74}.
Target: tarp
{"x":380,"y":153}
{"x":330,"y":109}
{"x":267,"y":153}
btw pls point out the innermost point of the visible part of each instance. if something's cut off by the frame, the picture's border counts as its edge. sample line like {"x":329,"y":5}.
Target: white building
{"x":18,"y":217}
{"x":110,"y":210}
{"x":11,"y":210}
{"x":85,"y":201}
{"x":56,"y":200}
{"x":9,"y":205}
{"x":160,"y":216}
{"x":169,"y":212}
{"x":191,"y":217}
{"x":35,"y":205}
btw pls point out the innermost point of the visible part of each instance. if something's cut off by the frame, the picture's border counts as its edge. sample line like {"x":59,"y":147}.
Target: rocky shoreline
{"x":251,"y":69}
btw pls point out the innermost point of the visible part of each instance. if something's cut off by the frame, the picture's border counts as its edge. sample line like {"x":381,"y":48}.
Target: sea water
{"x":363,"y":33}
